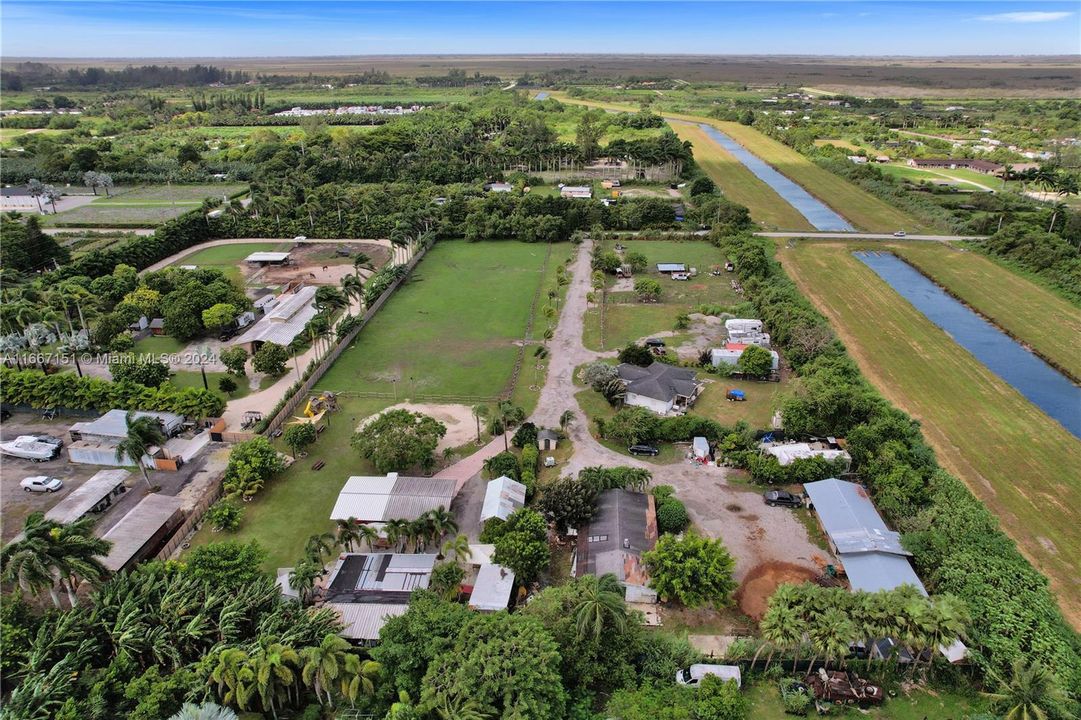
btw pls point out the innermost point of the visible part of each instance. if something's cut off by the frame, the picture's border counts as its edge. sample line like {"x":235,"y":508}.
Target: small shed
{"x":671,"y":267}
{"x":492,"y":589}
{"x":157,"y":326}
{"x":700,"y":447}
{"x":547,"y":439}
{"x":502,"y":497}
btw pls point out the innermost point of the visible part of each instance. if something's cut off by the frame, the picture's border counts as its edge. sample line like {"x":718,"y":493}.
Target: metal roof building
{"x":671,"y":267}
{"x":93,"y":495}
{"x":367,"y":589}
{"x":284,"y":321}
{"x":624,"y":527}
{"x":114,"y":425}
{"x":502,"y":497}
{"x":492,"y":589}
{"x":375,"y":499}
{"x":267,"y":257}
{"x":871,"y":553}
{"x":142,"y":530}
{"x":787,"y":453}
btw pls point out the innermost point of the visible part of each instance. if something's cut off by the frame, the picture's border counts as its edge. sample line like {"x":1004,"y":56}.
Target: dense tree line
{"x":22,"y":75}
{"x":957,"y":543}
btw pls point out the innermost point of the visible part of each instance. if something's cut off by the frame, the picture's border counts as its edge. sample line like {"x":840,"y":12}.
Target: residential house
{"x":660,"y":387}
{"x":375,"y":500}
{"x":283,"y":322}
{"x":623,"y":527}
{"x":95,"y":442}
{"x":492,"y":588}
{"x":368,"y":589}
{"x":143,"y":531}
{"x":502,"y":496}
{"x":731,"y":352}
{"x":982,"y":166}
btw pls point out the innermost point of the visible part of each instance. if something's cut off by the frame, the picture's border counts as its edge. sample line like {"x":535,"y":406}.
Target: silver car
{"x":41,"y":483}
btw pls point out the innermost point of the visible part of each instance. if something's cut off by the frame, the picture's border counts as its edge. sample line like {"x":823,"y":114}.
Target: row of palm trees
{"x":274,"y":675}
{"x":58,"y":307}
{"x":427,"y":530}
{"x":823,"y":623}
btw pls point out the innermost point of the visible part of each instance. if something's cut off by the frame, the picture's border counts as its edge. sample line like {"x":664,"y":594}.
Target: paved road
{"x":868,"y":236}
{"x":753,"y":532}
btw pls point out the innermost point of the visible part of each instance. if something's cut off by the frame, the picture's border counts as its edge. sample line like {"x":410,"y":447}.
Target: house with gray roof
{"x":283,"y":322}
{"x":376,"y":499}
{"x":660,"y":387}
{"x":623,"y":527}
{"x":367,"y":589}
{"x":871,"y":553}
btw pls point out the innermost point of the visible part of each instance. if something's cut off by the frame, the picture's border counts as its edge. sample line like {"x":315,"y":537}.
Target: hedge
{"x":68,"y":390}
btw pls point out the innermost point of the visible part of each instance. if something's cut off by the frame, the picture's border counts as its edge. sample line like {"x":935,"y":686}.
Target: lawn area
{"x":1028,"y":312}
{"x":962,"y":179}
{"x":194,"y":379}
{"x":739,"y":184}
{"x":160,"y":345}
{"x":766,"y":704}
{"x":227,"y":257}
{"x":1017,"y":460}
{"x":147,"y":206}
{"x":451,"y":330}
{"x":837,"y":142}
{"x":594,"y":406}
{"x":763,"y":399}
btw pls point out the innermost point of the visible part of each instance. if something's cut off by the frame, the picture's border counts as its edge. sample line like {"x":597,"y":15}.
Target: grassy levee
{"x":739,"y":184}
{"x":1013,"y":457}
{"x":860,"y":208}
{"x":1029,"y":313}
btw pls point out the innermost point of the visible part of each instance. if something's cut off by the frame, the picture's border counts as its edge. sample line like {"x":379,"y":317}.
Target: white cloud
{"x":1026,"y":17}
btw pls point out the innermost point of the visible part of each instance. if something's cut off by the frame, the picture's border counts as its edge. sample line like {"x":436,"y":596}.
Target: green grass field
{"x":421,"y":333}
{"x":452,"y":329}
{"x":763,"y":399}
{"x":739,"y":184}
{"x":227,"y":257}
{"x":962,"y":179}
{"x":1037,"y":317}
{"x":148,"y":206}
{"x":1017,"y":460}
{"x":916,"y":704}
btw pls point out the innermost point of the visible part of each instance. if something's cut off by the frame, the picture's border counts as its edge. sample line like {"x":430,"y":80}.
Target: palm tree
{"x":1057,"y":209}
{"x":348,"y":532}
{"x":418,"y":531}
{"x":457,"y":547}
{"x":323,"y":664}
{"x":206,"y":711}
{"x":831,"y":634}
{"x":480,"y":411}
{"x":328,"y":298}
{"x":303,"y":577}
{"x":353,"y":287}
{"x":143,"y":432}
{"x":51,"y":555}
{"x":458,"y":708}
{"x":441,"y":523}
{"x":319,"y":545}
{"x":397,"y":529}
{"x":601,"y":605}
{"x":566,"y":419}
{"x":358,"y":677}
{"x":1031,"y":692}
{"x":951,"y":620}
{"x":273,"y":665}
{"x":368,"y":535}
{"x":234,"y":677}
{"x":27,"y":562}
{"x":362,"y":262}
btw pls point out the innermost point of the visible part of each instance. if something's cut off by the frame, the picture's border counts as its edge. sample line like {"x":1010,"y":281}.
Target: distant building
{"x":368,"y":589}
{"x":377,"y":499}
{"x":499,"y":187}
{"x":671,"y":267}
{"x":660,"y":387}
{"x":624,"y":527}
{"x":787,"y":453}
{"x":581,"y":192}
{"x":283,"y":322}
{"x":267,"y":258}
{"x":492,"y":589}
{"x":981,"y":166}
{"x":18,"y":199}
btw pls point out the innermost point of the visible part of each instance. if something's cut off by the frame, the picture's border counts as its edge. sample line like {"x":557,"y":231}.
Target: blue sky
{"x":193,"y":28}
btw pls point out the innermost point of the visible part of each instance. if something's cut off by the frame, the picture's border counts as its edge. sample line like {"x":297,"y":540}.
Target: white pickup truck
{"x":29,"y":447}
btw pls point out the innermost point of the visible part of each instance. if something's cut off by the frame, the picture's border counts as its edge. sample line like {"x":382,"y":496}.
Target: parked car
{"x":681,"y":276}
{"x":654,"y":343}
{"x":41,"y":483}
{"x":300,"y":238}
{"x":899,"y":233}
{"x":29,"y":447}
{"x":694,"y":674}
{"x":783,"y":498}
{"x":643,"y":450}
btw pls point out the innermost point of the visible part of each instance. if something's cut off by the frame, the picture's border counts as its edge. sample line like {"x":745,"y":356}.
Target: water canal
{"x":1046,"y":387}
{"x":816,"y":212}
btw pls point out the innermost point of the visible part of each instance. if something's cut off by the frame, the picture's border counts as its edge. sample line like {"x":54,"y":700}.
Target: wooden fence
{"x":324,"y":364}
{"x":527,"y":338}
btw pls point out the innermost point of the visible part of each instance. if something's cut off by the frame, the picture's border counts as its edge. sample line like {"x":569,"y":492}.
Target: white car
{"x":29,"y":447}
{"x":300,"y":238}
{"x":680,"y":276}
{"x":694,"y":674}
{"x":41,"y":483}
{"x":900,"y":233}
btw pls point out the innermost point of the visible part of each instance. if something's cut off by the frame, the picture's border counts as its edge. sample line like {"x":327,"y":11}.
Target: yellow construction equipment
{"x":318,"y":405}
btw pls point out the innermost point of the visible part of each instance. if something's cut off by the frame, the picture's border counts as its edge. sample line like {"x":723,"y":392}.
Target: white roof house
{"x":376,"y":499}
{"x":284,"y":321}
{"x":576,"y":191}
{"x":671,"y":267}
{"x":492,"y":589}
{"x":871,"y":553}
{"x":502,"y":497}
{"x":787,"y":453}
{"x":273,"y":258}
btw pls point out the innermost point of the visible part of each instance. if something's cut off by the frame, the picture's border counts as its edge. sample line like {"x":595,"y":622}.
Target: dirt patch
{"x":732,"y":507}
{"x":753,"y":595}
{"x":317,"y":264}
{"x":461,"y":426}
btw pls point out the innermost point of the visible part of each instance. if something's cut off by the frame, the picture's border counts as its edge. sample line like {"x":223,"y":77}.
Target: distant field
{"x":739,"y":184}
{"x":964,"y":179}
{"x":1017,"y":460}
{"x":146,"y":206}
{"x":847,"y":145}
{"x":1035,"y":316}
